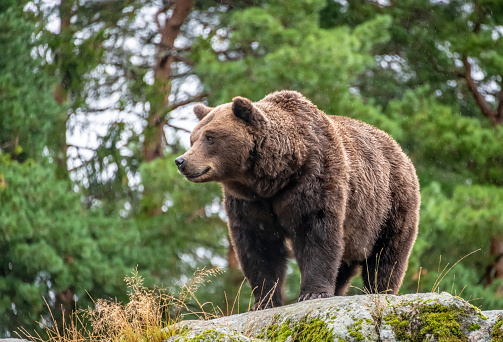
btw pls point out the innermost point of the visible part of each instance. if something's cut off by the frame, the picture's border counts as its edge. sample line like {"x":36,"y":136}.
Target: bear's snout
{"x":179,"y":162}
{"x":192,"y":170}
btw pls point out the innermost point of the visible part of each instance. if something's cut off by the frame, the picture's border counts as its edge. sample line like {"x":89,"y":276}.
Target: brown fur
{"x":341,"y":191}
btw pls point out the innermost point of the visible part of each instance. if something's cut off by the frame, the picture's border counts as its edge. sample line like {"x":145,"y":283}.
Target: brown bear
{"x":340,"y":192}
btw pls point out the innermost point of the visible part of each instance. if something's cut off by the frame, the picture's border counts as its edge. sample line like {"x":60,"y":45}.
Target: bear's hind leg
{"x":384,"y":269}
{"x":346,"y":272}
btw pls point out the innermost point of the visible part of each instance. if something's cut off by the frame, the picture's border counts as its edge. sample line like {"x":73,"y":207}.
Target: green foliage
{"x":450,"y":228}
{"x":28,"y":110}
{"x":112,"y":189}
{"x":63,"y":246}
{"x":52,"y":247}
{"x":444,"y":145}
{"x":428,"y":41}
{"x":321,"y":63}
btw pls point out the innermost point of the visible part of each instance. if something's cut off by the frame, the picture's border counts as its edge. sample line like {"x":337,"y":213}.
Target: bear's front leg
{"x":318,"y":246}
{"x":261,"y":250}
{"x":264,"y":265}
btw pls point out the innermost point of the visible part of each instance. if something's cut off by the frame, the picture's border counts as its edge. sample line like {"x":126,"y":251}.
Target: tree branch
{"x":479,"y":98}
{"x":10,"y":143}
{"x":167,"y":51}
{"x":98,"y":110}
{"x":177,"y":128}
{"x":183,"y":74}
{"x":183,"y":59}
{"x":198,"y":97}
{"x":81,"y":147}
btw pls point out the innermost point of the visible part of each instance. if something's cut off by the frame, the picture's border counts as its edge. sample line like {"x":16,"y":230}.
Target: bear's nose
{"x":179,"y":162}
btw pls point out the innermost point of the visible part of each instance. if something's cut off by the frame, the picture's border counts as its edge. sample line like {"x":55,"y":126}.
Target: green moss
{"x":180,"y":333}
{"x":400,"y":325}
{"x":304,"y":330}
{"x":357,"y":335}
{"x":497,"y":331}
{"x":442,"y":322}
{"x":439,"y":321}
{"x":355,"y":331}
{"x":359,"y":323}
{"x":210,"y":335}
{"x":279,"y":332}
{"x":475,"y":309}
{"x":474,"y":326}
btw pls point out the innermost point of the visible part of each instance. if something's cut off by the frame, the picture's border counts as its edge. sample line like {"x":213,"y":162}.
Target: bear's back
{"x":368,"y":141}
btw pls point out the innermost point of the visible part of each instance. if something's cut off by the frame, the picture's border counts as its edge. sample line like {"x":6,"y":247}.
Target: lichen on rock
{"x":386,"y":318}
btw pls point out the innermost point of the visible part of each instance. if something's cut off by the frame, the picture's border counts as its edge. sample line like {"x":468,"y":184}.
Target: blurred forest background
{"x":95,"y":103}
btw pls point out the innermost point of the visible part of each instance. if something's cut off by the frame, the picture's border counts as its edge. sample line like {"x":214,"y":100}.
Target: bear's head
{"x":254,"y":148}
{"x":223,"y":142}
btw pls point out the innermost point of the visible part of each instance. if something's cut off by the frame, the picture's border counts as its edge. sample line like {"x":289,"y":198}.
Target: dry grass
{"x":149,"y":315}
{"x":442,"y":274}
{"x":380,"y":302}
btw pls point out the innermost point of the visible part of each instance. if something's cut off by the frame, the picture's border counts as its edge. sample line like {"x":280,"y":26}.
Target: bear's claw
{"x":313,"y":295}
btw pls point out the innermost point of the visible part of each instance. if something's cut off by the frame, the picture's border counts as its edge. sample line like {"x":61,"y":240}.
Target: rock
{"x":212,"y":333}
{"x":430,"y":317}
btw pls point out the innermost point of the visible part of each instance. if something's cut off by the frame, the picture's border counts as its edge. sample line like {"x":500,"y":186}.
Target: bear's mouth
{"x":199,"y":174}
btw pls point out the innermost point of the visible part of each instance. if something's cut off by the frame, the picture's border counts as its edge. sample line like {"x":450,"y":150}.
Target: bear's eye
{"x":208,"y":139}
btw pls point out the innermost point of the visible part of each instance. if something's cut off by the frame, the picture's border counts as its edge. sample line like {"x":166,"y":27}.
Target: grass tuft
{"x":148,"y":316}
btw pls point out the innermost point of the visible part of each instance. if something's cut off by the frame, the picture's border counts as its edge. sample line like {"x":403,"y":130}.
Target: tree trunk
{"x":495,"y":270}
{"x":159,"y":103}
{"x":61,"y":95}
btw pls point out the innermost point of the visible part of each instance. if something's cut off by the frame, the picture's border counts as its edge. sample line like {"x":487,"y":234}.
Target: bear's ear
{"x":201,"y":110}
{"x":245,"y":110}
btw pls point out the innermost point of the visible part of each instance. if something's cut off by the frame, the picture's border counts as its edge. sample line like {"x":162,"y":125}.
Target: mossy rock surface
{"x":434,"y":317}
{"x":211,"y":334}
{"x":386,"y":318}
{"x":497,"y":330}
